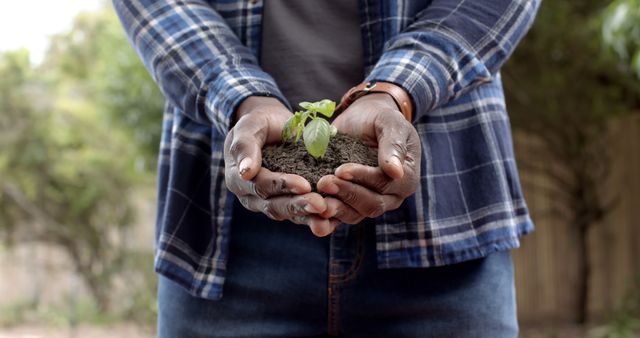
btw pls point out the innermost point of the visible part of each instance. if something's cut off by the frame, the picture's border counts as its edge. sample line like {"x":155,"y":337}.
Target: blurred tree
{"x":563,"y":88}
{"x":95,"y":55}
{"x":14,"y":114}
{"x":71,"y":133}
{"x":621,"y":31}
{"x":64,"y":178}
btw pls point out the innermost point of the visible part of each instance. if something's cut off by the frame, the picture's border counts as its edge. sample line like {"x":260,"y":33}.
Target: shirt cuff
{"x":231,"y":87}
{"x":428,"y":70}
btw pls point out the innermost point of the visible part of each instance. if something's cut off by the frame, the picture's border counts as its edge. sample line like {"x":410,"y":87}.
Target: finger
{"x":366,"y":202}
{"x":268,"y":184}
{"x":341,"y":212}
{"x":371,"y":177}
{"x":245,"y":151}
{"x":321,"y":226}
{"x":285,"y":207}
{"x":392,"y":134}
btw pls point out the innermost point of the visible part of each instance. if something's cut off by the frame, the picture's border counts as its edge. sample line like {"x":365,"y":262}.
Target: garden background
{"x":80,"y":122}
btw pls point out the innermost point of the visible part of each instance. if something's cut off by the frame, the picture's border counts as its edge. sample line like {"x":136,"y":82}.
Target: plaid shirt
{"x":445,"y":53}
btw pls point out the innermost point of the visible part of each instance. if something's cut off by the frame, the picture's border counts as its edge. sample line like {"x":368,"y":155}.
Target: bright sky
{"x":28,"y":24}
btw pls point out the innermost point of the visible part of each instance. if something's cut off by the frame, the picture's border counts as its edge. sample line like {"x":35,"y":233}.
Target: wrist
{"x":259,"y":103}
{"x":399,"y":96}
{"x":380,"y":99}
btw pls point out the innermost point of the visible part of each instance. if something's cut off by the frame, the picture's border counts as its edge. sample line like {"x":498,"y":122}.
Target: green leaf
{"x":306,"y":105}
{"x":294,"y":125}
{"x":302,"y":117}
{"x":289,"y":128}
{"x":325,"y":107}
{"x":316,"y":137}
{"x":298,"y":134}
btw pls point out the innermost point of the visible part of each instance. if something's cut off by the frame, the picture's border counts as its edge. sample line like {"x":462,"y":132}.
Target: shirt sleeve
{"x":199,"y":64}
{"x":451,"y":47}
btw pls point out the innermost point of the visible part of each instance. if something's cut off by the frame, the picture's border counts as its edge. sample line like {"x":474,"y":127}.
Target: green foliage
{"x":621,"y":31}
{"x":65,"y":172}
{"x":563,"y":88}
{"x":138,"y":304}
{"x":325,"y":107}
{"x":95,"y":59}
{"x":316,"y":137}
{"x":562,"y":74}
{"x":15,"y":313}
{"x":622,"y":326}
{"x":75,"y":132}
{"x":625,"y":322}
{"x":318,"y":132}
{"x":69,"y":314}
{"x":64,"y":178}
{"x":15,"y":72}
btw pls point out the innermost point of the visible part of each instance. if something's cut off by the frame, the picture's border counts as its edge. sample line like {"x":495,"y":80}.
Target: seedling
{"x":318,"y":132}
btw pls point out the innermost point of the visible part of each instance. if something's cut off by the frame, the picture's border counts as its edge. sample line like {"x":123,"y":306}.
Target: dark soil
{"x":293,"y":158}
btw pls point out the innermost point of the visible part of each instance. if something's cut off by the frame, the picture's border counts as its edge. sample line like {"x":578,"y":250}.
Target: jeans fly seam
{"x":333,"y":320}
{"x":355,"y":266}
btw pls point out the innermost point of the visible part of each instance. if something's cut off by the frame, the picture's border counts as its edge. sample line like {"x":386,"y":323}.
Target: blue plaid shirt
{"x":445,"y":53}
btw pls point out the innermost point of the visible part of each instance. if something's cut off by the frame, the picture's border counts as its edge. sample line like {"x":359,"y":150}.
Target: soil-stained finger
{"x":288,"y":207}
{"x":371,"y":177}
{"x":366,"y":202}
{"x":321,"y":226}
{"x":341,"y":212}
{"x":268,"y":184}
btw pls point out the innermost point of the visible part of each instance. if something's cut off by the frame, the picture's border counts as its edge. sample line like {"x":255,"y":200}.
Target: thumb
{"x":392,"y":149}
{"x":248,"y":168}
{"x":246,"y":151}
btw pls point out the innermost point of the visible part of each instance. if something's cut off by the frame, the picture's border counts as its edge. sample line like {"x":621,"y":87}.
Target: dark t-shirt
{"x":313,"y":49}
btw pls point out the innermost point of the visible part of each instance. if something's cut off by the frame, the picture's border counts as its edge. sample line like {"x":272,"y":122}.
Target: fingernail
{"x":346,"y":176}
{"x":299,"y":190}
{"x":331,"y":188}
{"x":396,"y":162}
{"x":310,"y":208}
{"x":328,"y":214}
{"x":245,"y":165}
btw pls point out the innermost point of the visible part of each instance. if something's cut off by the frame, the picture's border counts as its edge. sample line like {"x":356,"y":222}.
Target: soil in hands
{"x":294,"y":159}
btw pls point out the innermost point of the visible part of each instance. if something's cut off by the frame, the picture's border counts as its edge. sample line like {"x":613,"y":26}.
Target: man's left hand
{"x":359,"y":191}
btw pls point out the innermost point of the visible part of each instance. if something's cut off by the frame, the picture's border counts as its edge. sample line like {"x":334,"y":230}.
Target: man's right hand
{"x":279,"y":196}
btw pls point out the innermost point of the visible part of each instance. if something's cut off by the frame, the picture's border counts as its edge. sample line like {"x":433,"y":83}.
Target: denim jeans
{"x":282,"y":281}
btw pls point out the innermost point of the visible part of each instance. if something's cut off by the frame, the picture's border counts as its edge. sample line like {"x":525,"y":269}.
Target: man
{"x":416,"y":247}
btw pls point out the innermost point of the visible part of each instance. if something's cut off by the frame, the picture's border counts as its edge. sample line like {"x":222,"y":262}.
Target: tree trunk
{"x":584,"y":273}
{"x":99,"y":290}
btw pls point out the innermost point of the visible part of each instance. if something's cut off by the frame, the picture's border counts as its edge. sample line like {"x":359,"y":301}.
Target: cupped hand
{"x":357,"y":191}
{"x":280,"y":196}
